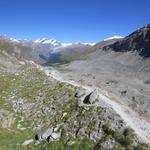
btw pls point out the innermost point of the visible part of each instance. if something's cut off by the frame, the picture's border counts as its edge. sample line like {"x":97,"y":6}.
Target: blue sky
{"x":72,"y":20}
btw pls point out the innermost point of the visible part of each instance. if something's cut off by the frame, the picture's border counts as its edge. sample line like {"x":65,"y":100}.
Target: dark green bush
{"x":128,"y":132}
{"x":117,"y":134}
{"x":107,"y":129}
{"x":126,"y":141}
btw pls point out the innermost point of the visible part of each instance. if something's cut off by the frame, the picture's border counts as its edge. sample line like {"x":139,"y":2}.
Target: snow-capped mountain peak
{"x":14,"y":40}
{"x":40,"y":40}
{"x":56,"y":43}
{"x":77,"y":43}
{"x":113,"y":37}
{"x":51,"y":42}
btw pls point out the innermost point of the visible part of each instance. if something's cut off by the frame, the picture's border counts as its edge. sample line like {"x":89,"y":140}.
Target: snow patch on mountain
{"x":114,"y":37}
{"x":91,"y":44}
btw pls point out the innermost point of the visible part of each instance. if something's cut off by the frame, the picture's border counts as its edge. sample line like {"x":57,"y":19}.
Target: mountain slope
{"x":19,"y":50}
{"x":39,"y":112}
{"x":138,"y":41}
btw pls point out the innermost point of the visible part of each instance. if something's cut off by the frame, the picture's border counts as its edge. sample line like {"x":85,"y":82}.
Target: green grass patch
{"x":9,"y":139}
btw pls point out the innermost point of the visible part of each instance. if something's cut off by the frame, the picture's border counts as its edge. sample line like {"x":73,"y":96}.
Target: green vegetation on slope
{"x":35,"y":103}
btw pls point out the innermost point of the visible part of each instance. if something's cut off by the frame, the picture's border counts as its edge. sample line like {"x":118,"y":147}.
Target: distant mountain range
{"x":52,"y":42}
{"x":53,"y":51}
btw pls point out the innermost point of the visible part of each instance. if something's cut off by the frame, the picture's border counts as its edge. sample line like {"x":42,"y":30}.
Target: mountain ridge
{"x":138,"y":41}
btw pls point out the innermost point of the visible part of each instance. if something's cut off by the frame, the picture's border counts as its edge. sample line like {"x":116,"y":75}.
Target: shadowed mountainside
{"x":138,"y":41}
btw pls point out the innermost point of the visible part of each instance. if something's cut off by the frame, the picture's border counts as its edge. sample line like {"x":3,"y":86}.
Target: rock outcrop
{"x":49,"y":135}
{"x":91,"y":98}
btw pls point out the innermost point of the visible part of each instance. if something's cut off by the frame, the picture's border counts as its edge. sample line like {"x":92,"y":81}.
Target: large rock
{"x":50,"y":135}
{"x":54,"y":136}
{"x":44,"y":135}
{"x":91,"y":98}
